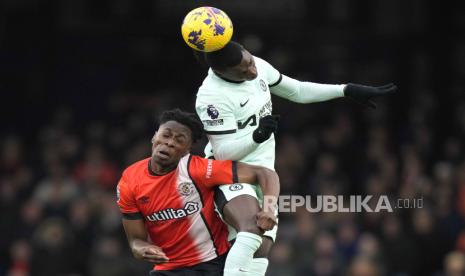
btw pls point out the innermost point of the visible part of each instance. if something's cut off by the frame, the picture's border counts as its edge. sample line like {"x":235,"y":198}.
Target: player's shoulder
{"x":266,"y":70}
{"x":136,"y":170}
{"x":213,"y":95}
{"x":260,"y":61}
{"x":191,"y":163}
{"x":207,"y":92}
{"x":188,"y":160}
{"x":196,"y":158}
{"x":209,"y":87}
{"x":263,"y":65}
{"x":210,"y":83}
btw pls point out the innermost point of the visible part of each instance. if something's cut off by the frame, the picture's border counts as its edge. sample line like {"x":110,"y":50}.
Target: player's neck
{"x":225,"y":79}
{"x":158,"y":170}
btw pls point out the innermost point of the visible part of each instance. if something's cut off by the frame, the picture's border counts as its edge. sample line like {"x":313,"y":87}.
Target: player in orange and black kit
{"x":167,"y":201}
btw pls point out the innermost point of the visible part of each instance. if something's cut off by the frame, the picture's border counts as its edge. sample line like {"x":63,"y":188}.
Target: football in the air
{"x":207,"y":29}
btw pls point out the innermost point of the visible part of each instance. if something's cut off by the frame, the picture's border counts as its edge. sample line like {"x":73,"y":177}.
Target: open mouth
{"x":163,"y":154}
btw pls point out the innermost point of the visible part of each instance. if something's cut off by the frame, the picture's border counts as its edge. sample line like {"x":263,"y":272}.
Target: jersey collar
{"x":225,"y":79}
{"x":152,"y":173}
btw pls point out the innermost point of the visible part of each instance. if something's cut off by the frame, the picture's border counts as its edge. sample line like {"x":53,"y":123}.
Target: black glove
{"x":363,"y":94}
{"x":266,"y":126}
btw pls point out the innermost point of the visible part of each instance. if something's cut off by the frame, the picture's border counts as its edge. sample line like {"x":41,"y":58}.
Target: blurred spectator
{"x":96,"y":170}
{"x":325,"y":260}
{"x":454,"y":264}
{"x":347,"y":234}
{"x":282,"y":259}
{"x":20,"y":258}
{"x":31,"y":215}
{"x":11,"y":154}
{"x":429,"y":244}
{"x":53,"y":248}
{"x":364,"y":266}
{"x":107,"y":258}
{"x":368,"y":246}
{"x":56,"y":190}
{"x":400,"y":253}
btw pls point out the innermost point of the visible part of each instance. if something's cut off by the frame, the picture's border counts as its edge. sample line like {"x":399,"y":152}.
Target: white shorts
{"x":224,"y":193}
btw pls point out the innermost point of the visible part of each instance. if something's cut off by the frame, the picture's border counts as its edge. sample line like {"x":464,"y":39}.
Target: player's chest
{"x":253,"y":98}
{"x":167,"y":201}
{"x":252,"y":102}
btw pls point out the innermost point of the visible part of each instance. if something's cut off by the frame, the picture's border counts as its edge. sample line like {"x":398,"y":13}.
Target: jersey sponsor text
{"x":170,"y":213}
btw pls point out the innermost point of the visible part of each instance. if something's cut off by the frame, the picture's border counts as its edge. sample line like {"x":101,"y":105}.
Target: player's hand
{"x":152,"y":254}
{"x":363,"y":94}
{"x":266,"y":126}
{"x":266,"y":220}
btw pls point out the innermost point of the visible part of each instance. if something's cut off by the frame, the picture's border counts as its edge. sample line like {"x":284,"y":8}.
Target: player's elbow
{"x":299,"y":100}
{"x":263,"y":171}
{"x":265,"y":175}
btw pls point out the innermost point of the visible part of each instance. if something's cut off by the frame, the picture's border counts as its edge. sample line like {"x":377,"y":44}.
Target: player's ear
{"x":153,"y":141}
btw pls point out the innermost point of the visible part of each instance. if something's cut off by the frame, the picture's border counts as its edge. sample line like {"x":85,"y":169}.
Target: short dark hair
{"x":190,"y":120}
{"x":229,"y":56}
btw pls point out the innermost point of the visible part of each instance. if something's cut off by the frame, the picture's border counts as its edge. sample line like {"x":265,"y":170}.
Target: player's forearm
{"x":225,"y":148}
{"x":306,"y":92}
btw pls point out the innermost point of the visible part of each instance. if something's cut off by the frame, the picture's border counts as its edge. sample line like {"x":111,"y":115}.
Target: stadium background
{"x":83,"y":81}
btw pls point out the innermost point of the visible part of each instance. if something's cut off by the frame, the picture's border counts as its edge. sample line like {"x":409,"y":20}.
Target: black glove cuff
{"x":358,"y":90}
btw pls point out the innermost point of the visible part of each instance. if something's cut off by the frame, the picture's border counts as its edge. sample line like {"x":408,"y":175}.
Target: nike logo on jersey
{"x":243,"y":104}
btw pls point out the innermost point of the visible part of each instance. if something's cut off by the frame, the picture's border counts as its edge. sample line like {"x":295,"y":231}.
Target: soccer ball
{"x":207,"y":29}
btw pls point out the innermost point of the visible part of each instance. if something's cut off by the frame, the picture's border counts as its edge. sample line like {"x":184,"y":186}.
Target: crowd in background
{"x":83,"y":91}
